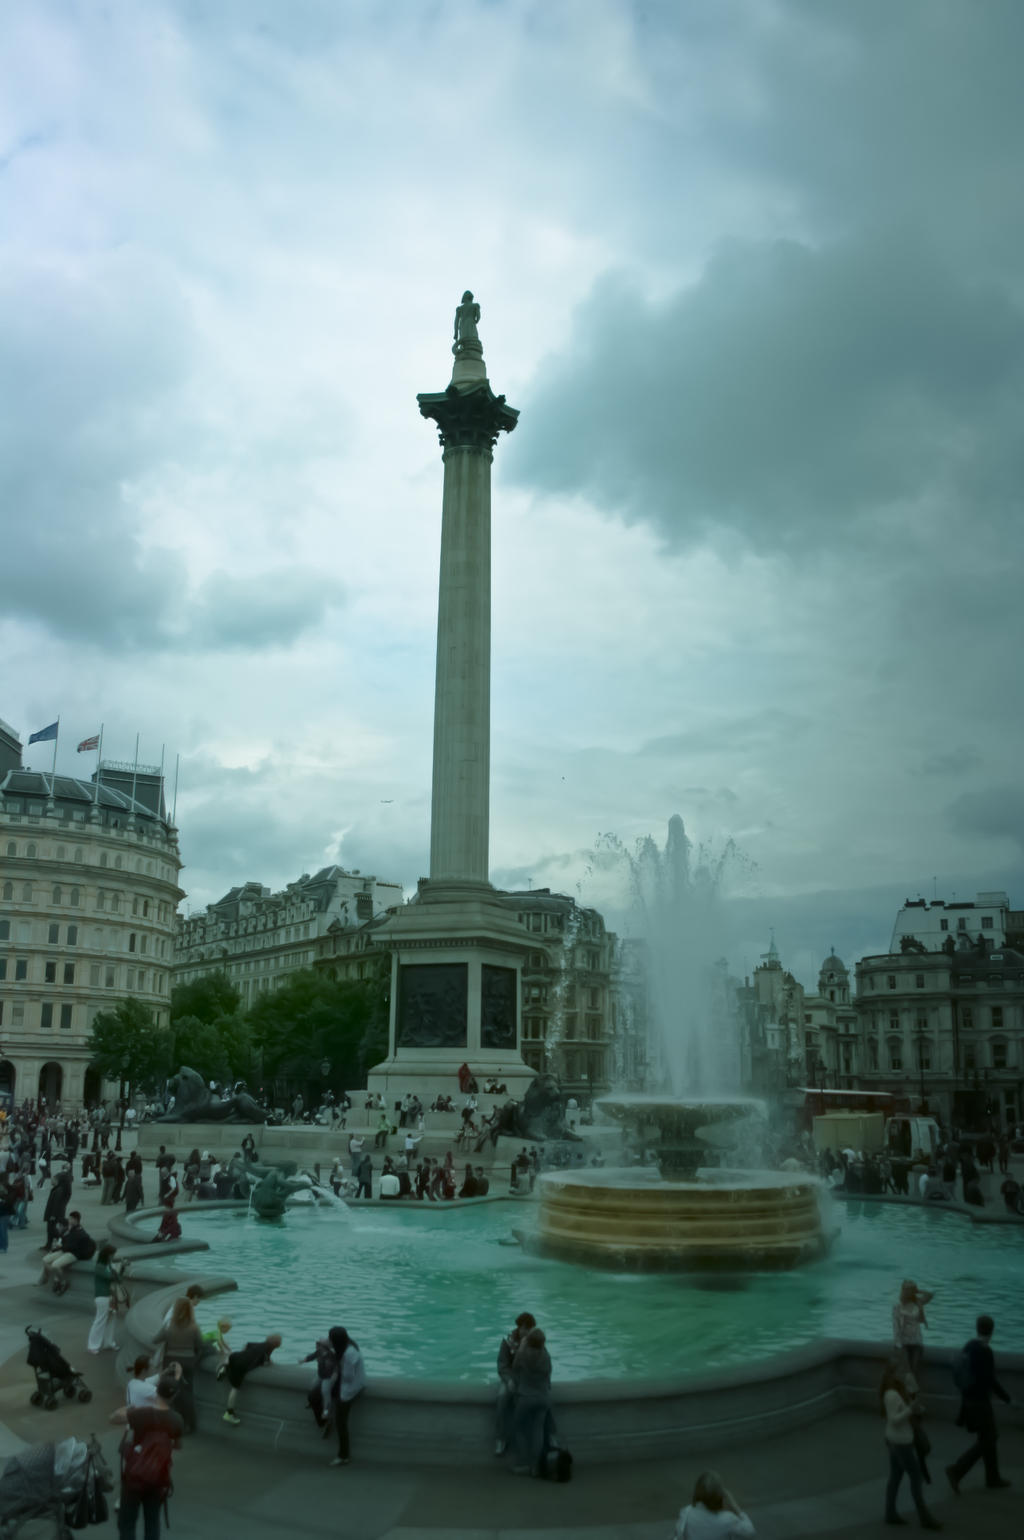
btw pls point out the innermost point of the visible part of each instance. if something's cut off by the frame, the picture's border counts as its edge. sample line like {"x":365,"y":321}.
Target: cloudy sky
{"x":750,"y":269}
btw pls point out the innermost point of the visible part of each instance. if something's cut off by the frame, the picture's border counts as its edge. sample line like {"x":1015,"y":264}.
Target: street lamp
{"x":921,"y":1031}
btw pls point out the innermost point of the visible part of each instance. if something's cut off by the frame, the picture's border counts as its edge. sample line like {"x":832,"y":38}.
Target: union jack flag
{"x":89,"y":743}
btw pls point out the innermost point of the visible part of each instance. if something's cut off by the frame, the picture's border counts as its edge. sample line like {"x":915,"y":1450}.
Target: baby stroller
{"x":53,"y":1372}
{"x":64,"y":1481}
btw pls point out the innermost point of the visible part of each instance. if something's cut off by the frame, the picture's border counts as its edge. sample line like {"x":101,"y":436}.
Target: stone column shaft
{"x":460,"y":798}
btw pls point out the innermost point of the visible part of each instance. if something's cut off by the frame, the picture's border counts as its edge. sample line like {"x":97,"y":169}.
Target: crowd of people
{"x":955,"y":1172}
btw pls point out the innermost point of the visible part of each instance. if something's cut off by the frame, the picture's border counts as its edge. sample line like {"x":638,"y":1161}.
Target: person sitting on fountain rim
{"x":712,"y":1513}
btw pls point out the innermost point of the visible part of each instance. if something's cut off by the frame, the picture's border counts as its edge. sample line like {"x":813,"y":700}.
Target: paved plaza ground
{"x":821,"y":1480}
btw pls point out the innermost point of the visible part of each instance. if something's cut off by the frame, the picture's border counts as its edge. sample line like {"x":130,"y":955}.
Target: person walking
{"x":898,"y":1409}
{"x":712,"y":1514}
{"x":907,"y":1319}
{"x":349,"y":1383}
{"x":975,"y":1376}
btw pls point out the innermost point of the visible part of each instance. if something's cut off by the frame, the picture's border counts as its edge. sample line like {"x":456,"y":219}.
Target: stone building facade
{"x":944,"y":1025}
{"x":88,"y":895}
{"x":258,"y":937}
{"x":570,"y":1009}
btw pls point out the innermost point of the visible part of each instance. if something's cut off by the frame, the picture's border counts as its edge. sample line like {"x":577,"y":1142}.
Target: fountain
{"x":684,"y":1215}
{"x":688,"y":1214}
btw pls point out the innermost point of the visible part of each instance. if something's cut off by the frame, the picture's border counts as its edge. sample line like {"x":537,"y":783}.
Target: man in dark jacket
{"x":56,"y":1205}
{"x":76,"y":1246}
{"x":977,"y":1382}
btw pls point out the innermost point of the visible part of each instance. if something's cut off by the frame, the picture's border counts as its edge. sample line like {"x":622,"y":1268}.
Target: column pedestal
{"x":455,"y":992}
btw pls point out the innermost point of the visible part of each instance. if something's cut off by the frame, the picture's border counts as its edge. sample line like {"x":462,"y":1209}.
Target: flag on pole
{"x":87,"y":744}
{"x":45,"y":734}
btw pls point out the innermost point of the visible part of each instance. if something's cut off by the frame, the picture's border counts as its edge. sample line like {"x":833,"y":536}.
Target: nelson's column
{"x":457,"y":948}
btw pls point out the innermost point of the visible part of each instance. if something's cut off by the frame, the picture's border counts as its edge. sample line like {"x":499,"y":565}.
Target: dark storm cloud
{"x":93,"y":373}
{"x":997,"y":813}
{"x":790,"y":394}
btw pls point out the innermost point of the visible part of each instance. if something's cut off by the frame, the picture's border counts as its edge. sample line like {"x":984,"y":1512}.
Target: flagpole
{"x":135,"y":768}
{"x":174,"y":809}
{"x":99,"y":763}
{"x":160,"y":804}
{"x":53,"y":767}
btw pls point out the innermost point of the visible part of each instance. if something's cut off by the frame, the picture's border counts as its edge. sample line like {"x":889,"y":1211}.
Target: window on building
{"x":17,"y":1014}
{"x":891,"y":981}
{"x":30,"y":851}
{"x":921,"y":1022}
{"x":69,"y":973}
{"x":131,"y":941}
{"x":72,"y":935}
{"x":129,"y":981}
{"x":961,"y":924}
{"x":966,"y":1018}
{"x":12,"y":849}
{"x":1000,"y":1056}
{"x":918,"y":980}
{"x":871,"y":981}
{"x":108,"y":978}
{"x":65,"y":1016}
{"x":8,"y":890}
{"x":970,"y":1058}
{"x":26,"y":892}
{"x":3,"y":968}
{"x":60,"y":852}
{"x":50,"y":973}
{"x":144,"y":943}
{"x":986,"y":922}
{"x":135,"y":904}
{"x":57,"y":896}
{"x":895,"y":1053}
{"x":46,"y":1014}
{"x":53,"y":934}
{"x":943,"y":924}
{"x":872,"y":1053}
{"x":117,"y":861}
{"x":894,"y":1021}
{"x":94,"y":975}
{"x":76,"y":896}
{"x":997,"y":1018}
{"x":5,"y":930}
{"x":115,"y":903}
{"x":20,"y":968}
{"x":924,"y":1053}
{"x":145,"y":907}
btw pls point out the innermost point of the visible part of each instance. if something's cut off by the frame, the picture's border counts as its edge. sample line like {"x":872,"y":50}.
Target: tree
{"x":208,"y":1031}
{"x":125,"y":1044}
{"x":207,"y":998}
{"x":314,"y":1018}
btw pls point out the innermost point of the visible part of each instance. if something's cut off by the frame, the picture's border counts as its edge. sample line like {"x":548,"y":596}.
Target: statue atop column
{"x":467,"y":338}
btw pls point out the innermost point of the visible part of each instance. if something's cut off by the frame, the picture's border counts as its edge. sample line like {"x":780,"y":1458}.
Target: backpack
{"x":963,"y":1376}
{"x":326,"y":1361}
{"x":146,"y":1463}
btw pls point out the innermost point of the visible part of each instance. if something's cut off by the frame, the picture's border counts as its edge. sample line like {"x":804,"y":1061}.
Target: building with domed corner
{"x":88,"y":897}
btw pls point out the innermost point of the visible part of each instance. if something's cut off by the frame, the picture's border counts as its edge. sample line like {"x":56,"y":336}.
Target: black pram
{"x":64,"y":1481}
{"x":53,"y":1372}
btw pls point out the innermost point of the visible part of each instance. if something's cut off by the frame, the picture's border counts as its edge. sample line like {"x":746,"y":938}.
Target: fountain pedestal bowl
{"x":685,"y":1216}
